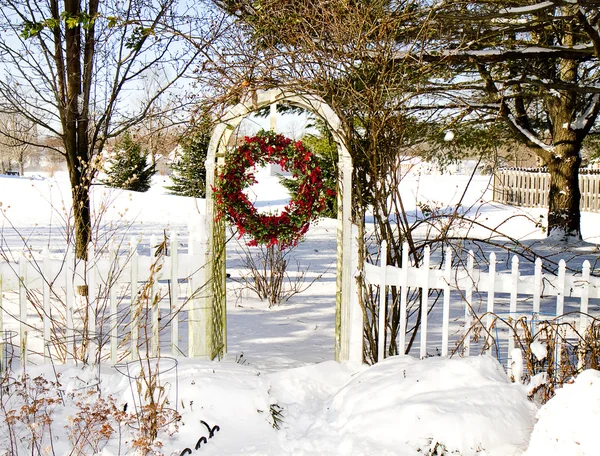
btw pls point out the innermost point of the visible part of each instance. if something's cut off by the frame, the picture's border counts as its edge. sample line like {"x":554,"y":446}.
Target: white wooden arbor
{"x":211,"y":311}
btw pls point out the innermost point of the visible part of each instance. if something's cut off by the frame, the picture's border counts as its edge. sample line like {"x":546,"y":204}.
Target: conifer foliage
{"x":129,"y":168}
{"x":188,"y":170}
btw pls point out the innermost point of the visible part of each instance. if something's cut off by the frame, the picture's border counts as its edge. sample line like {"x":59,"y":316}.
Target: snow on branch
{"x":528,"y":8}
{"x":588,"y":115}
{"x":580,"y":52}
{"x":529,"y":135}
{"x":591,"y":29}
{"x":556,"y":85}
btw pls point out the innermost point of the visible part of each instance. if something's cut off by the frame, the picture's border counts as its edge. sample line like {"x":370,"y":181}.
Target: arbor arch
{"x":210,"y":311}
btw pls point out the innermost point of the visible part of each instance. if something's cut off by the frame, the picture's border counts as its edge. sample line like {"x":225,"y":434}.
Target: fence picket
{"x":382,"y":302}
{"x":90,"y":280}
{"x":46,"y":303}
{"x":513,"y":308}
{"x":403,"y":297}
{"x":174,"y":295}
{"x":490,"y":301}
{"x":155,"y":299}
{"x":23,"y":310}
{"x":3,"y":335}
{"x":469,"y":302}
{"x":135,"y":305}
{"x":537,"y":286}
{"x":560,"y":307}
{"x":70,"y":277}
{"x":585,"y":296}
{"x":446,"y":308}
{"x":584,"y":319}
{"x":424,"y":302}
{"x":111,"y":283}
{"x":560,"y":297}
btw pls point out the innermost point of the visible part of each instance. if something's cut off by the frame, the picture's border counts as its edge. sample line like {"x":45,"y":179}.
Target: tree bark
{"x":563,"y":162}
{"x":564,"y":216}
{"x":80,"y":192}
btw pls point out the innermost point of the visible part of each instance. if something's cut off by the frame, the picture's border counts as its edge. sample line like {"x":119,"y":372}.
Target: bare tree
{"x":159,"y":133}
{"x":17,"y":135}
{"x":73,"y":67}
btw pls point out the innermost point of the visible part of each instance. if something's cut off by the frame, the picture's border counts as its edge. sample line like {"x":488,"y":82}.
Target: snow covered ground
{"x":280,"y":372}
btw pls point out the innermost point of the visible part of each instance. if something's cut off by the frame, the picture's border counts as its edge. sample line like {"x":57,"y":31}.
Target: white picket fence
{"x":469,"y":280}
{"x":530,"y":188}
{"x":127,"y":292}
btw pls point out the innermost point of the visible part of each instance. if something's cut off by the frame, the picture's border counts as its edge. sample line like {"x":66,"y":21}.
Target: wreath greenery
{"x":307,"y":203}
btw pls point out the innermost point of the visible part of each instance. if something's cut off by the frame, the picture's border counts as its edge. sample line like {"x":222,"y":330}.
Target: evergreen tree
{"x":189,"y":172}
{"x":129,"y":169}
{"x":325,"y":152}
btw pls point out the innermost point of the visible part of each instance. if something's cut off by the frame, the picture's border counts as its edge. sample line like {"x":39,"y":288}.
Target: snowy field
{"x":280,"y":368}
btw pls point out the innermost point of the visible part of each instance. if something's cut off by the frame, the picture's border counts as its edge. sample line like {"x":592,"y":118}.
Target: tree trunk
{"x":75,"y":123}
{"x":563,"y":213}
{"x":564,"y":160}
{"x":80,"y":191}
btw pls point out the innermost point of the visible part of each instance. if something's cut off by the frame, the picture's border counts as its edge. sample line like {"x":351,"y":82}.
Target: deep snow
{"x":402,"y":406}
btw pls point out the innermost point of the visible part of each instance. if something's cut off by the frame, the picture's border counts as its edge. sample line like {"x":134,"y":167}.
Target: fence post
{"x":424,"y":302}
{"x":446,"y":308}
{"x":382,"y":301}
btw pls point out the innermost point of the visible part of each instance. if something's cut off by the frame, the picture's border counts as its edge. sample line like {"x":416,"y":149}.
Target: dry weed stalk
{"x":93,"y":424}
{"x":554,"y":350}
{"x":268,"y":274}
{"x":27,"y":405}
{"x":154,"y":413}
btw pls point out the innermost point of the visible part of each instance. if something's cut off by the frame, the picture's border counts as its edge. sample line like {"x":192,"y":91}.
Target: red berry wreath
{"x":287,"y":228}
